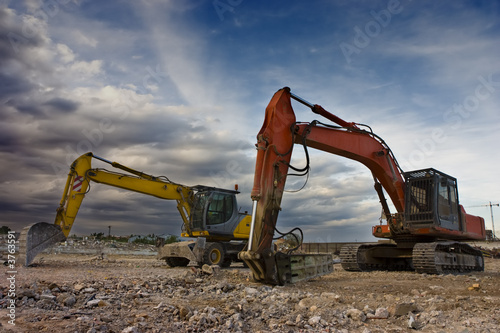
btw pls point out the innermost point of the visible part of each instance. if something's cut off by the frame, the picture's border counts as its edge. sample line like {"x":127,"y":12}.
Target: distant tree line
{"x":4,"y":230}
{"x":148,"y":239}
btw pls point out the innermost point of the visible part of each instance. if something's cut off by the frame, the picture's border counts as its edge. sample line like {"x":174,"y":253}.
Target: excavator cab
{"x":215,"y":214}
{"x":432,"y":200}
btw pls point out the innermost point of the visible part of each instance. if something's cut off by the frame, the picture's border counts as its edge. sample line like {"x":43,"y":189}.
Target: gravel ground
{"x":81,"y":293}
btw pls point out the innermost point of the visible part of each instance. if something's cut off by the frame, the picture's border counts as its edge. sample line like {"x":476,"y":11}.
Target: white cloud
{"x":65,"y":53}
{"x":84,"y":39}
{"x":85,"y":69}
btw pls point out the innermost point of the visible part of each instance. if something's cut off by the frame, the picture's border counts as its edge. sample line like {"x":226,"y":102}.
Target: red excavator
{"x":426,"y":232}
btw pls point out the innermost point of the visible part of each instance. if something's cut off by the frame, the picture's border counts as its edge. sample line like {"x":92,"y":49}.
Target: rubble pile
{"x":145,"y":295}
{"x":98,"y":247}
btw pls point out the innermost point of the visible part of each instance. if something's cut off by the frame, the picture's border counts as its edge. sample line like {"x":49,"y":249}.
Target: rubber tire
{"x":214,"y":255}
{"x":177,"y":261}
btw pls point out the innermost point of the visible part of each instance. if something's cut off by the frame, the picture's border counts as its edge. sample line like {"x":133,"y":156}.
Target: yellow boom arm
{"x":81,"y":173}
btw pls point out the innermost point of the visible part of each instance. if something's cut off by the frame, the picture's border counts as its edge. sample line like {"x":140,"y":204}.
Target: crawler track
{"x":447,"y":257}
{"x":349,"y":257}
{"x":375,"y":257}
{"x":431,"y":258}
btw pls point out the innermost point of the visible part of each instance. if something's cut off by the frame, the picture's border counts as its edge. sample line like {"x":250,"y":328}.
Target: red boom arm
{"x":275,"y":142}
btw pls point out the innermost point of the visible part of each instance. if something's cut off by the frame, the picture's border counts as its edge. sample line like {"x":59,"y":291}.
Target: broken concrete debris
{"x":140,"y":294}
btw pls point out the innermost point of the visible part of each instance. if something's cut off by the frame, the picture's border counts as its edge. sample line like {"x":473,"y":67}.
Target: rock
{"x":436,"y":287}
{"x":28,"y":293}
{"x":47,"y":297}
{"x":130,"y":329}
{"x":235,"y":322}
{"x":403,"y":309}
{"x":78,"y":287}
{"x":356,"y":314}
{"x":185,"y":312}
{"x":224,"y":286}
{"x":380,"y":313}
{"x":265,"y":289}
{"x":207,"y":269}
{"x":70,"y":301}
{"x":249,"y":291}
{"x":94,"y":302}
{"x":216,"y":269}
{"x":307,"y":302}
{"x":435,"y":313}
{"x":330,"y":295}
{"x":367,"y":310}
{"x":313,"y":321}
{"x":66,"y":299}
{"x":102,"y":303}
{"x":189,"y":280}
{"x":53,"y":286}
{"x":412,"y":323}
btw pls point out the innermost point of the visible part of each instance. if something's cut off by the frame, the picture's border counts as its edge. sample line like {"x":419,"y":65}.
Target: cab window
{"x":447,"y":202}
{"x":220,"y":209}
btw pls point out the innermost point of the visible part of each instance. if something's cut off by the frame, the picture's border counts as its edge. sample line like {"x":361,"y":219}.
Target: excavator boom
{"x":274,"y":145}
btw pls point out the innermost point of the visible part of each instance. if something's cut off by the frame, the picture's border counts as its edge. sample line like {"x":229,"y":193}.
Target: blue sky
{"x":179,"y":89}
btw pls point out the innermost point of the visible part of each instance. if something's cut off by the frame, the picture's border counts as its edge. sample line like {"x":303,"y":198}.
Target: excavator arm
{"x":81,"y":174}
{"x":37,"y":237}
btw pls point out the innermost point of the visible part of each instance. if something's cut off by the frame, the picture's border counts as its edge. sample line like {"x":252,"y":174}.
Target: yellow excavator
{"x":209,"y":214}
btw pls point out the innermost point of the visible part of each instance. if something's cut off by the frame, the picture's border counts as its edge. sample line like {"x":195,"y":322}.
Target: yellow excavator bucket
{"x":36,"y":238}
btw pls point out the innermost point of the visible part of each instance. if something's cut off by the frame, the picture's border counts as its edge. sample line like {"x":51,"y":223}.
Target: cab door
{"x":220,"y":210}
{"x":447,"y":204}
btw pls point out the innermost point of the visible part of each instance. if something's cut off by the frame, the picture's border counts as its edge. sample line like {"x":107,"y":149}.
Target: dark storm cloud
{"x":20,"y":64}
{"x":10,"y":206}
{"x":30,"y":110}
{"x":12,"y":85}
{"x":8,"y":139}
{"x":62,"y":104}
{"x":17,"y":34}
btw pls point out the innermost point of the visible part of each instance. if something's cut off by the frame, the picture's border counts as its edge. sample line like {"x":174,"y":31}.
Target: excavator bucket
{"x":36,"y":238}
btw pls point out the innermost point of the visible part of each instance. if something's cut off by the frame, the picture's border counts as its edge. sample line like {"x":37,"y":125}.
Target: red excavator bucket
{"x":36,"y":238}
